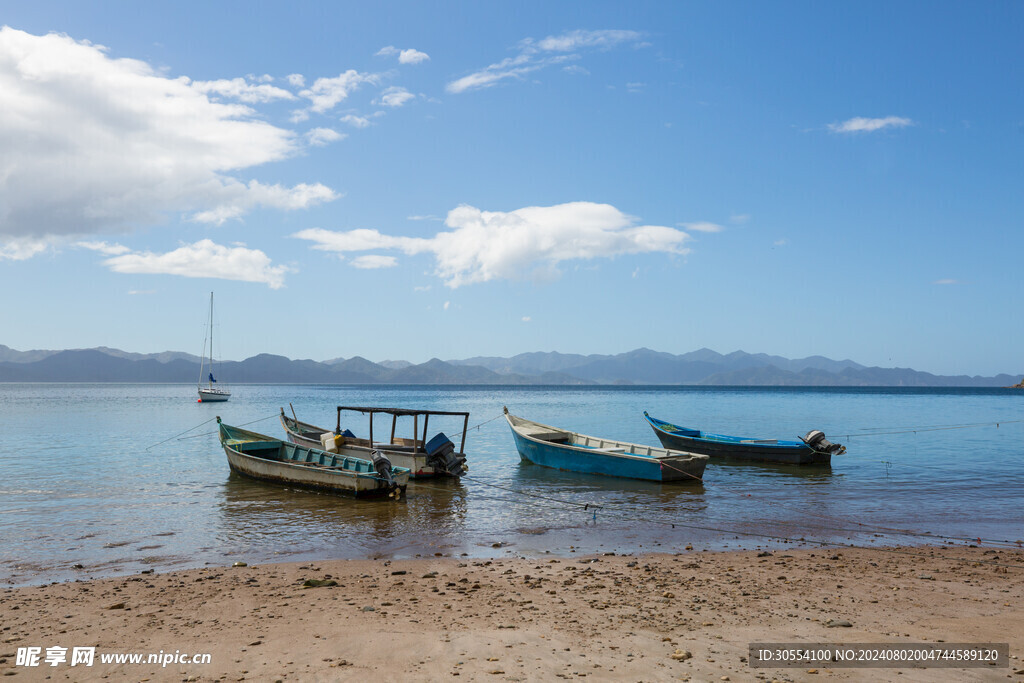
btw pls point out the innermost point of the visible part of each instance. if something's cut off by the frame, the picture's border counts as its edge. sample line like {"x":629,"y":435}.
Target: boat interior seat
{"x":555,"y":437}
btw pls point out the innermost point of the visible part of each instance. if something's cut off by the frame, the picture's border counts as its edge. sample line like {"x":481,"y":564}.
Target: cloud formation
{"x":409,"y":56}
{"x":242,"y":90}
{"x":526,"y":243}
{"x":860,"y":124}
{"x":535,"y":55}
{"x":326,"y":93}
{"x":95,"y":144}
{"x":203,"y":259}
{"x":319,"y":137}
{"x":703,"y":226}
{"x":394,"y":96}
{"x":22,"y":248}
{"x":373,"y":261}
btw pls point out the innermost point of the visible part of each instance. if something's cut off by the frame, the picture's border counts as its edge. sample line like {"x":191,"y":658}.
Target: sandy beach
{"x":688,"y":616}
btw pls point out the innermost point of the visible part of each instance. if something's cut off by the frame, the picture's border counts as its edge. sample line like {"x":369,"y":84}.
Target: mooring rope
{"x":184,"y":432}
{"x":480,"y":425}
{"x":196,"y":436}
{"x":927,"y":428}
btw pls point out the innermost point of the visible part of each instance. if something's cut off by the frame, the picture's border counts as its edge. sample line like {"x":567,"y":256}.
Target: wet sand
{"x":689,"y":616}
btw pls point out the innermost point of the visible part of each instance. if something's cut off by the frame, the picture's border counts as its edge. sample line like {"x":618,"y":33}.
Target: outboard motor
{"x":442,"y":457}
{"x":818,"y":443}
{"x":383,"y":466}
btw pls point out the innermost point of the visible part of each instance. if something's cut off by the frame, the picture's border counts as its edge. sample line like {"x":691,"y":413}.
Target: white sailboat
{"x":210,"y":393}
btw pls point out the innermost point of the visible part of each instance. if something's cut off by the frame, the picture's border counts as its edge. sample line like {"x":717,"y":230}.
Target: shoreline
{"x":689,"y":615}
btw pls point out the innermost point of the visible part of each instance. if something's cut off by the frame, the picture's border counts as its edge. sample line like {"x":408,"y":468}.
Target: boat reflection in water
{"x":299,"y":523}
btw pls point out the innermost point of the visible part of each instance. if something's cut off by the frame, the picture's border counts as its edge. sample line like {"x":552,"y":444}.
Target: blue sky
{"x":417,"y":180}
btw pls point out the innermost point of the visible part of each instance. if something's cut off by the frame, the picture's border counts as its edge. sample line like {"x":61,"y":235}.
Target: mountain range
{"x":641,"y":366}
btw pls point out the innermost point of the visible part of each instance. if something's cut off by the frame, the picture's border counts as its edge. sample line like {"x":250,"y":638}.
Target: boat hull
{"x":322,"y":472}
{"x":296,"y":475}
{"x":598,"y":458}
{"x":733,"y":448}
{"x":214,"y":395}
{"x":416,"y":463}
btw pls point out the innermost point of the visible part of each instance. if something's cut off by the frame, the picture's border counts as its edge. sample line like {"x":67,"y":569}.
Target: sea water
{"x":108,"y":479}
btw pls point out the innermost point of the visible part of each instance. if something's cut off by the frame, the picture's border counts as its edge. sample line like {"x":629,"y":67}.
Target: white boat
{"x":208,"y":393}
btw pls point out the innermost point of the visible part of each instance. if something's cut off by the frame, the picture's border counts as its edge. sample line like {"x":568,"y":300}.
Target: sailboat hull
{"x":213,"y":395}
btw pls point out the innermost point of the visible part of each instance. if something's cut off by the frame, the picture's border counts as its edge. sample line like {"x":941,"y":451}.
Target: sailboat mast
{"x":202,"y":359}
{"x":211,"y":338}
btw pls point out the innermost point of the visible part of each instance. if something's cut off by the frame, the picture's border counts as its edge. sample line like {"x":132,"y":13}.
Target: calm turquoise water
{"x":93,"y":475}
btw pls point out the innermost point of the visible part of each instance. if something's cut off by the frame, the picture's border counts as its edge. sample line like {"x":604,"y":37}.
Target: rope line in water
{"x":184,"y":432}
{"x":196,"y":436}
{"x":585,"y":506}
{"x":930,"y":428}
{"x":479,"y":425}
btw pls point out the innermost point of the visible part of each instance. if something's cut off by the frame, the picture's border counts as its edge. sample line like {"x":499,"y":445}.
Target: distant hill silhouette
{"x":640,"y":366}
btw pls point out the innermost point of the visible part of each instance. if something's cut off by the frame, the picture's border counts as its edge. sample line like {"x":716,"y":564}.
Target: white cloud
{"x":237,"y":199}
{"x":362,"y":239}
{"x":946,"y":281}
{"x":296,"y":80}
{"x":22,"y":248}
{"x":860,"y":124}
{"x":371,"y":261}
{"x":492,"y":75}
{"x":447,"y":304}
{"x":95,"y":144}
{"x":104,"y":248}
{"x":703,"y":226}
{"x":356,"y":121}
{"x":536,"y":55}
{"x":240,"y":89}
{"x":204,"y":259}
{"x":526,"y":318}
{"x":326,"y":93}
{"x":411,"y":56}
{"x":394,"y":96}
{"x":575,"y":40}
{"x":319,"y":137}
{"x":526,"y":243}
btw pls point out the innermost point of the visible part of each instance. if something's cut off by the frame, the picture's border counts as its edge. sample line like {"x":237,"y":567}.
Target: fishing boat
{"x":263,"y":457}
{"x":424,"y":458}
{"x":209,"y":393}
{"x":564,"y":450}
{"x":812,"y":449}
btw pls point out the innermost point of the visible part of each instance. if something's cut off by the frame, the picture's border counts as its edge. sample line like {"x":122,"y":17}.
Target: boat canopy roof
{"x":398,"y":412}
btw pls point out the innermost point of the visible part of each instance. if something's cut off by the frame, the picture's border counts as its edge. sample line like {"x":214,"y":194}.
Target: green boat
{"x":268,"y":459}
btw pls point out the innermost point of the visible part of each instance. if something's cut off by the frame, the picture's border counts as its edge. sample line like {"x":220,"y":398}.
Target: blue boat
{"x":263,"y":457}
{"x":812,"y":449}
{"x":564,"y":450}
